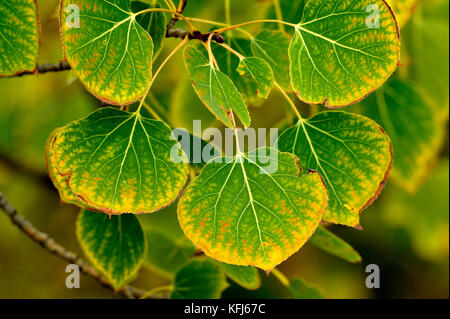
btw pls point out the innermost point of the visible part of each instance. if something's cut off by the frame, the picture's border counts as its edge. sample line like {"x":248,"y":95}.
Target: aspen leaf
{"x":199,"y":278}
{"x":343,"y":50}
{"x":351,"y":152}
{"x":19,"y":37}
{"x":116,"y":246}
{"x":116,"y":162}
{"x":109,"y":51}
{"x":239,"y":214}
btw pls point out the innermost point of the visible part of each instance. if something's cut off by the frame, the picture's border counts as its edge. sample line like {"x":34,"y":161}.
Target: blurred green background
{"x":405,"y":233}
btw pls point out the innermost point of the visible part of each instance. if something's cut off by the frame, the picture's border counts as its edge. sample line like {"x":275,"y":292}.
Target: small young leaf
{"x":343,"y":50}
{"x":299,"y":289}
{"x":19,"y":37}
{"x":238,"y":214}
{"x":153,"y":22}
{"x":403,"y":10}
{"x":414,"y":127}
{"x":215,"y":89}
{"x":200,"y":278}
{"x":109,"y":51}
{"x":166,"y":255}
{"x":117,"y":162}
{"x":273,"y":47}
{"x":334,"y":245}
{"x":245,"y":276}
{"x":260,"y":71}
{"x":116,"y":246}
{"x":351,"y":152}
{"x":229,"y":63}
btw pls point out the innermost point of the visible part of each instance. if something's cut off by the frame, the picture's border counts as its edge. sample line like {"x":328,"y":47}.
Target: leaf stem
{"x":163,"y":64}
{"x":231,"y":27}
{"x":279,"y":14}
{"x":181,"y":6}
{"x":157,"y":290}
{"x":227,"y":47}
{"x":227,"y":12}
{"x":205,"y":21}
{"x":290,"y":102}
{"x":152,"y":112}
{"x":281,"y":277}
{"x":175,"y":13}
{"x":212,"y":58}
{"x":170,"y":4}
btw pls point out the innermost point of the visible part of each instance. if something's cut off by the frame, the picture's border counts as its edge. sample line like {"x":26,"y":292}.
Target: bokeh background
{"x":405,"y":233}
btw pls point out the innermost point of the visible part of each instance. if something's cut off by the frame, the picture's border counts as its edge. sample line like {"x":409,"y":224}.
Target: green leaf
{"x":239,"y":214}
{"x":299,"y":289}
{"x":200,"y":278}
{"x":216,"y":90}
{"x":403,"y":10}
{"x":229,"y":64}
{"x":115,"y":245}
{"x":427,"y":41}
{"x":117,"y":162}
{"x":334,"y":245}
{"x":185,"y":106}
{"x":273,"y":47}
{"x":423,"y":215}
{"x":110,"y":52}
{"x":58,"y":179}
{"x":260,"y":71}
{"x":19,"y":37}
{"x":245,"y":276}
{"x":153,"y":22}
{"x":351,"y":152}
{"x":166,"y":255}
{"x":414,"y":127}
{"x":338,"y":54}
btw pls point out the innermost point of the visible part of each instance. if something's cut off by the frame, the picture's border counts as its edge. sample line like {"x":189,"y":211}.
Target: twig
{"x":175,"y":18}
{"x":45,"y":68}
{"x":170,"y":33}
{"x":195,"y":35}
{"x":53,"y":247}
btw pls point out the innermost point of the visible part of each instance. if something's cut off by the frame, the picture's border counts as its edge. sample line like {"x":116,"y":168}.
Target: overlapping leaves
{"x":254,"y":85}
{"x":414,"y":126}
{"x":272,"y":46}
{"x":235,"y":211}
{"x":154,"y":22}
{"x":216,"y":90}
